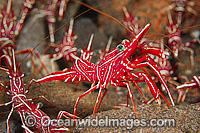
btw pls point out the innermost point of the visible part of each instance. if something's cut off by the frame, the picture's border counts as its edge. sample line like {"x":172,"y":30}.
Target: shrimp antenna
{"x":103,"y":13}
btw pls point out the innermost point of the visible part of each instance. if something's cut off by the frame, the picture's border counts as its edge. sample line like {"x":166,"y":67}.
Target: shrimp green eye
{"x":23,"y":75}
{"x":7,"y":76}
{"x":40,"y":105}
{"x":138,"y":17}
{"x":125,"y":40}
{"x":120,"y":47}
{"x":26,"y":114}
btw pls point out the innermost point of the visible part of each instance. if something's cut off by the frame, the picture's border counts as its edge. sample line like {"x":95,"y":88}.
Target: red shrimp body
{"x":22,"y":104}
{"x":115,"y":68}
{"x":7,"y":23}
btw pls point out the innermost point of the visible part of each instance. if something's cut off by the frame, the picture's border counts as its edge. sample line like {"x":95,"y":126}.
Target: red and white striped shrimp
{"x":194,"y":83}
{"x":25,"y":106}
{"x":9,"y":30}
{"x":115,"y":68}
